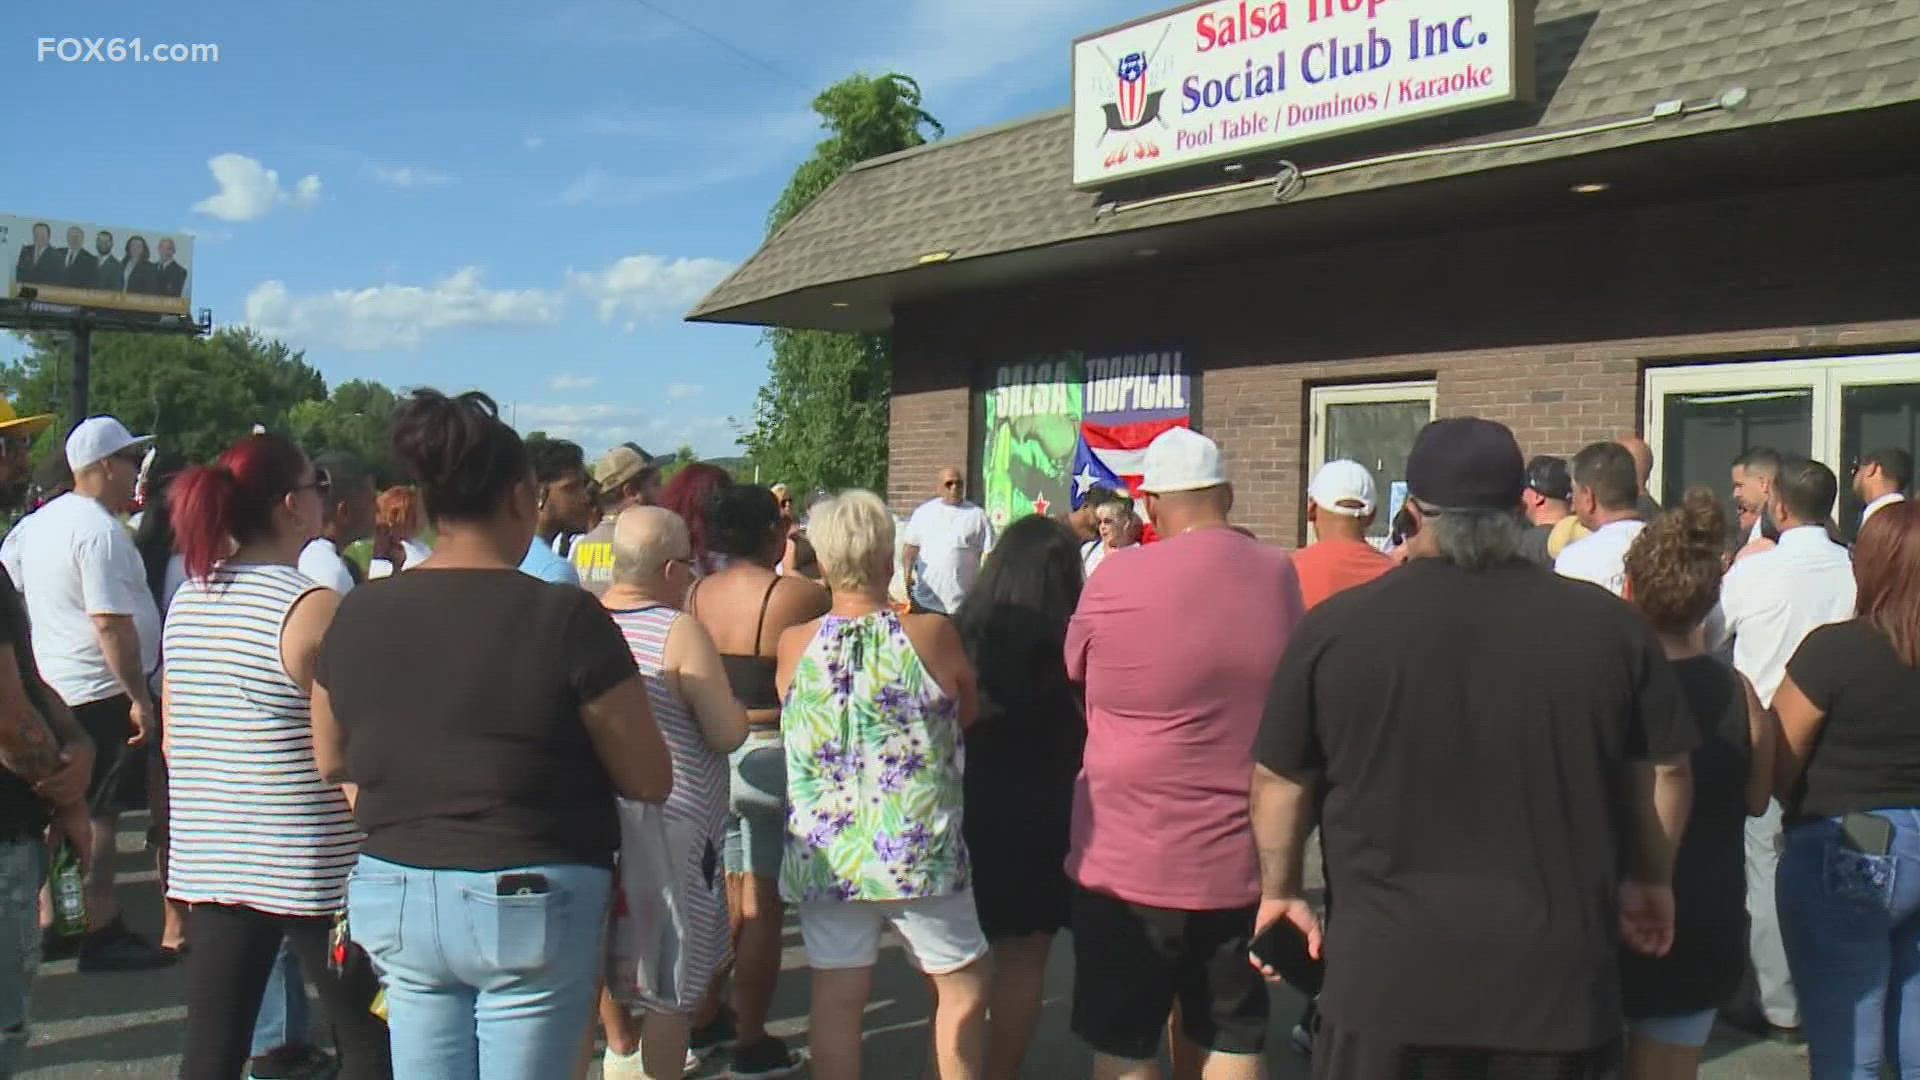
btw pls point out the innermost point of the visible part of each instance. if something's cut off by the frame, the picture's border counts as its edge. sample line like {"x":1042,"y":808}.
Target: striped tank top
{"x":696,"y":812}
{"x":252,"y":824}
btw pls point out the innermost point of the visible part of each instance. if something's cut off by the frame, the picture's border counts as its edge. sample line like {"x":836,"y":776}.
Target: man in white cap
{"x":1340,"y":506}
{"x":96,"y":637}
{"x":1176,"y":642}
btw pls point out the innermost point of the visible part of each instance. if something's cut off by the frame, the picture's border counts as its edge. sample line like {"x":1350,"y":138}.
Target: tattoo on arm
{"x":28,"y":748}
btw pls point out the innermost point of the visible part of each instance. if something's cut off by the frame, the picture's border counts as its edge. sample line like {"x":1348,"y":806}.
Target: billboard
{"x":86,"y":264}
{"x":1057,"y":426}
{"x":1222,"y":79}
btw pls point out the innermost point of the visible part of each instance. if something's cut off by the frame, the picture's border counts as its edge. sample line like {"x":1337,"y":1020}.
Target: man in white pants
{"x":1769,"y":603}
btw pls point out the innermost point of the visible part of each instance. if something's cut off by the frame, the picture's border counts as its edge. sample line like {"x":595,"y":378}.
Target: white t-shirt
{"x":72,"y":560}
{"x":952,"y":541}
{"x":415,"y":554}
{"x":1602,"y":557}
{"x":321,"y":561}
{"x":1092,"y":554}
{"x":1771,"y":600}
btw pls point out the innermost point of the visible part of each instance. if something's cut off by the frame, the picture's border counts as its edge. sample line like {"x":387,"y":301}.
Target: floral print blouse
{"x":874,"y":766}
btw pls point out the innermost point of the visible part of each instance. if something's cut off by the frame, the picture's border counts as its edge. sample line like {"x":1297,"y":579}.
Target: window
{"x":1700,"y":418}
{"x":1374,"y":425}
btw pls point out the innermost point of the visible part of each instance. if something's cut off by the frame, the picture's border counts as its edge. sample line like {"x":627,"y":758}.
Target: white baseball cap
{"x":1340,"y":485}
{"x":98,"y":438}
{"x":1181,"y":459}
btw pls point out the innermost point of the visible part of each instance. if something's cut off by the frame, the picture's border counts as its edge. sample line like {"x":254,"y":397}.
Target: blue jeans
{"x":283,"y":1017}
{"x":1851,"y":923}
{"x":23,"y":868}
{"x":482,"y":986}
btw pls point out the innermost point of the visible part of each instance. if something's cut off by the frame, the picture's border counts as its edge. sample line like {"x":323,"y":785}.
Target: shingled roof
{"x":1009,"y":189}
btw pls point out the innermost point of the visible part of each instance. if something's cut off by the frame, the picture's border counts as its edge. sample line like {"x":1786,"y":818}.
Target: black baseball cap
{"x":1466,"y":463}
{"x":1551,"y":477}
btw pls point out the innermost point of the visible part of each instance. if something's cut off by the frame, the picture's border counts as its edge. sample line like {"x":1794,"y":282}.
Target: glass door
{"x":1879,"y":410}
{"x":1699,"y":418}
{"x":1374,"y":425}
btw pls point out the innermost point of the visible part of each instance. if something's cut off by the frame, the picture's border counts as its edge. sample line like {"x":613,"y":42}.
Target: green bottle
{"x":69,"y":893}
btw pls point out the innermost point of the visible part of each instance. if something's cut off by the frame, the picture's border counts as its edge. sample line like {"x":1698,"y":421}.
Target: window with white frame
{"x":1374,"y":424}
{"x":1700,"y":417}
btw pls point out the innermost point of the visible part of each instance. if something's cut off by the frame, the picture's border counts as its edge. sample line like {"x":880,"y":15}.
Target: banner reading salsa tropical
{"x":1058,"y":425}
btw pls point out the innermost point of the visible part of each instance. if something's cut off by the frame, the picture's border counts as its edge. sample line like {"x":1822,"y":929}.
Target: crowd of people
{"x":1586,"y":772}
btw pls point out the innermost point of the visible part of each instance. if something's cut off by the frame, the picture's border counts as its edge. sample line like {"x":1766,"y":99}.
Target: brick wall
{"x":1546,"y":327}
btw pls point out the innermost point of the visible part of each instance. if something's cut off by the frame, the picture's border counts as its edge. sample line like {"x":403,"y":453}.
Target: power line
{"x":736,"y":50}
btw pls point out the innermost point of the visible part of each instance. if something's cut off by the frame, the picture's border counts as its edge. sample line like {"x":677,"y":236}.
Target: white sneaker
{"x":614,"y":1066}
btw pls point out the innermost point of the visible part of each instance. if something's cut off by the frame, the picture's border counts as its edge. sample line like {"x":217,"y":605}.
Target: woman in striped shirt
{"x":261,"y":846}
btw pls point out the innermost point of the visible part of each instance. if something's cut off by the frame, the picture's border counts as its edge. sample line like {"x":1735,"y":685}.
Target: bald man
{"x":1643,"y":465}
{"x":945,"y":540}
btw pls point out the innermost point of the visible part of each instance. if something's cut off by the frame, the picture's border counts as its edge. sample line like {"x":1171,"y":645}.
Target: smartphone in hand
{"x":1283,"y":947}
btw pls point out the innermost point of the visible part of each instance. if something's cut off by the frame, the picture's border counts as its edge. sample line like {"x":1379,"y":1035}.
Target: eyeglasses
{"x":322,"y":483}
{"x":688,"y":563}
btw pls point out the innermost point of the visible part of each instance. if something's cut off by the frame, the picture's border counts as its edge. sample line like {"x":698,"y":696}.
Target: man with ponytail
{"x":96,"y":637}
{"x":261,"y":844}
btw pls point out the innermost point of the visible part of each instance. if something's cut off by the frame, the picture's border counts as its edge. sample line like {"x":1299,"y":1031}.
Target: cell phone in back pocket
{"x":522,"y":885}
{"x":1868,"y":834}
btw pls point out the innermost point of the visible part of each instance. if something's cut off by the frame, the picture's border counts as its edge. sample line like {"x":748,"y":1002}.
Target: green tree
{"x":820,"y":420}
{"x":670,"y":467}
{"x":196,"y":394}
{"x":356,"y":419}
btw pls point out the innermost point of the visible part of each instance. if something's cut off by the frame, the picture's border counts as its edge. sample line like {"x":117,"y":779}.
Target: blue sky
{"x":519,"y":197}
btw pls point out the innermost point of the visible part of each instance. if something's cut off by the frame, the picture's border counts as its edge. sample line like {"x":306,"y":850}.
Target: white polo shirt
{"x":1602,"y":557}
{"x":1771,"y":600}
{"x":952,"y":541}
{"x":72,"y":560}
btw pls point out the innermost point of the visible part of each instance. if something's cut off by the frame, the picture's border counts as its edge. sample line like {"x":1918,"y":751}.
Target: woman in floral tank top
{"x":874,"y":705}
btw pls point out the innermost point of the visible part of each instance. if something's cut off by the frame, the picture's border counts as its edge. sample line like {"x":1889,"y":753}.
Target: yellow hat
{"x":28,"y":426}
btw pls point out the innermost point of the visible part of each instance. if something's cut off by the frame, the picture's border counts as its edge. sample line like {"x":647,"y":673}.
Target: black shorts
{"x":119,"y":771}
{"x":1130,"y":963}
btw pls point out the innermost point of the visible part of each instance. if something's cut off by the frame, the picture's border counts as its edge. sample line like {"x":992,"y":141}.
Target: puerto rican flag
{"x":1113,"y":456}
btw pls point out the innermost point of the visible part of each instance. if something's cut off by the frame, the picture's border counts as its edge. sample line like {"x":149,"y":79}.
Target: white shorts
{"x":942,"y":932}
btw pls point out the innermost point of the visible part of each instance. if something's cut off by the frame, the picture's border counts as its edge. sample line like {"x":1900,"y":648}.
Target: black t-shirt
{"x":22,"y":813}
{"x":460,"y":695}
{"x":1867,"y":755}
{"x":1709,"y":954}
{"x":1533,"y":545}
{"x":1472,"y":730}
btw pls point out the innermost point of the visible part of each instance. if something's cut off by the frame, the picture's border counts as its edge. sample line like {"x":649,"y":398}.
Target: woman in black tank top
{"x":1673,"y":577}
{"x":745,"y":606}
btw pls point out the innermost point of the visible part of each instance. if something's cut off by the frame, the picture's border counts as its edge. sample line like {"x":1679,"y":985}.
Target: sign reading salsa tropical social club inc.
{"x":1223,"y":79}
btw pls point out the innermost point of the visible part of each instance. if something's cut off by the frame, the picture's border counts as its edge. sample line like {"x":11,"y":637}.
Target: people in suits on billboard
{"x":38,"y":264}
{"x":137,"y":270}
{"x":107,"y":275}
{"x":78,"y":268}
{"x":173,"y":276}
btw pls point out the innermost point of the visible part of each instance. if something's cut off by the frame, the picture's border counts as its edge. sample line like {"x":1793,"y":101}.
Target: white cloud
{"x":408,"y":176}
{"x":565,"y":381}
{"x":250,"y":190}
{"x":534,"y":142}
{"x":680,"y":391}
{"x":641,"y":287}
{"x":598,"y":426}
{"x":395,"y":316}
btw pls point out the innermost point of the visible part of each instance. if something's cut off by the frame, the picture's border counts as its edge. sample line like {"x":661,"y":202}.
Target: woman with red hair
{"x":688,"y":494}
{"x":1848,"y":773}
{"x":261,"y":846}
{"x":397,"y":519}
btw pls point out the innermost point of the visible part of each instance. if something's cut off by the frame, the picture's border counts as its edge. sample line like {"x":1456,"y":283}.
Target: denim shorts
{"x":23,"y":868}
{"x":757,"y":822}
{"x":1688,"y":1029}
